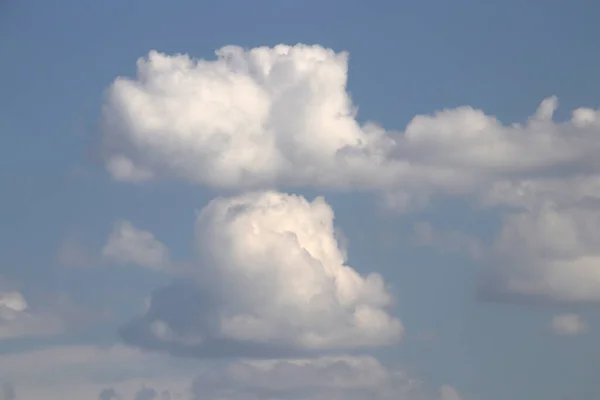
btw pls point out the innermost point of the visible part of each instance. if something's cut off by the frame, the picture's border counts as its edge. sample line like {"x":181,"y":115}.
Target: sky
{"x":299,"y":200}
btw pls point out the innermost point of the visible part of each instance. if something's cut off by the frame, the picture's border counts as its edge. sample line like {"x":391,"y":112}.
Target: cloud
{"x":42,"y":314}
{"x":17,"y":319}
{"x":568,"y":324}
{"x":129,"y":245}
{"x":90,"y":372}
{"x":270,"y":274}
{"x":248,"y":119}
{"x":282,"y":117}
{"x":323,"y":378}
{"x":118,"y":372}
{"x":549,"y":252}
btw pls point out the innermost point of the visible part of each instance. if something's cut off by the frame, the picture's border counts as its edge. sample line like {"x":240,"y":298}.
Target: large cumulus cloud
{"x":282,"y":116}
{"x":248,"y":119}
{"x":270,"y":274}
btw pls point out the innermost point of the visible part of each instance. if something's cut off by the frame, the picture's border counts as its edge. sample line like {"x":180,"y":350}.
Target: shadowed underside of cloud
{"x":270,"y":278}
{"x":183,"y":320}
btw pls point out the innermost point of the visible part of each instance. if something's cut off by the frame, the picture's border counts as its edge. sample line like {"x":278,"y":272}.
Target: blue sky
{"x":405,"y":59}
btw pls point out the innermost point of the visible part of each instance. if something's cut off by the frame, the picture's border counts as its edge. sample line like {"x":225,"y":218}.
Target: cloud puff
{"x":548,"y":252}
{"x":568,"y":324}
{"x":270,"y":273}
{"x":250,"y":118}
{"x":129,"y":245}
{"x":18,"y":320}
{"x":42,"y":315}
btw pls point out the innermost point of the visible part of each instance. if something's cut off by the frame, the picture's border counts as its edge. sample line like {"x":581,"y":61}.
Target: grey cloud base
{"x":190,"y":315}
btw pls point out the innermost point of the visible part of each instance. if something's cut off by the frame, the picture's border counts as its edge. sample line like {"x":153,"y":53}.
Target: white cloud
{"x":568,"y":324}
{"x":270,"y":272}
{"x":284,"y":276}
{"x":248,"y":119}
{"x":87,"y":372}
{"x":130,"y":245}
{"x":282,"y":116}
{"x":549,"y":252}
{"x":18,"y":320}
{"x":324,"y":378}
{"x":42,"y":314}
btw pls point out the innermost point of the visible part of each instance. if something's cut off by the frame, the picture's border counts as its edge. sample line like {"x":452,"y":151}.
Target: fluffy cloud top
{"x":130,"y":245}
{"x":249,"y":118}
{"x":271,"y":273}
{"x":279,"y":255}
{"x":549,"y":252}
{"x":282,"y":115}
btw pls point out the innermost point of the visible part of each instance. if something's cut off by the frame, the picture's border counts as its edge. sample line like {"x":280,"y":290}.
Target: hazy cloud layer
{"x":120,"y":373}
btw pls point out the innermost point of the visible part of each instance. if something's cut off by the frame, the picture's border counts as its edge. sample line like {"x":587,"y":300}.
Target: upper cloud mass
{"x":282,"y":117}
